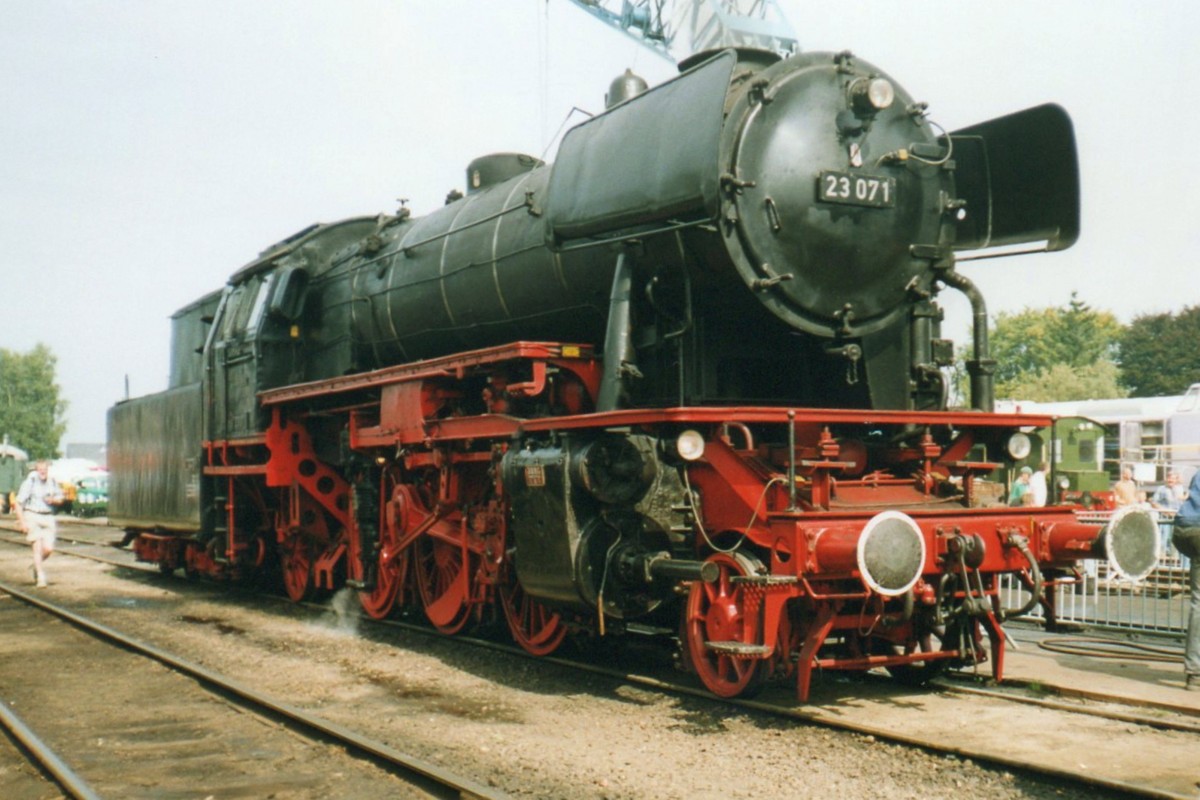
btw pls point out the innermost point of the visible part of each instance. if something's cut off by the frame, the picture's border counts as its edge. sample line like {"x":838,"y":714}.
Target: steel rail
{"x":430,"y":777}
{"x":947,"y":685}
{"x":42,"y":754}
{"x":814,"y":717}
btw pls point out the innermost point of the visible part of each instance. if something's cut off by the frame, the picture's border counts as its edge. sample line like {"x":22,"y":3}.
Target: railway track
{"x":1072,"y":701}
{"x":184,"y":727}
{"x":26,"y":742}
{"x":1077,"y":742}
{"x":1066,"y":738}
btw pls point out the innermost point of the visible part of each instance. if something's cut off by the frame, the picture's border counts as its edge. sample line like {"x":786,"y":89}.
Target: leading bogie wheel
{"x":715,"y":625}
{"x":928,"y":637}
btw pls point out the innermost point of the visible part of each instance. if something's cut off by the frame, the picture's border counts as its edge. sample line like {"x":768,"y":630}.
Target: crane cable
{"x":544,"y":73}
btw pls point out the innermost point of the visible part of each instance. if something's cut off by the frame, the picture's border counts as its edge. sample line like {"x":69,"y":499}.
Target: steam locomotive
{"x":691,"y":373}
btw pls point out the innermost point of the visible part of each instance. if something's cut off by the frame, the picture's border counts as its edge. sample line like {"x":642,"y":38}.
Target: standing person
{"x":1125,"y":490}
{"x":1038,"y":492}
{"x":36,"y":499}
{"x":1168,"y":497}
{"x":1020,"y":488}
{"x":1186,"y":539}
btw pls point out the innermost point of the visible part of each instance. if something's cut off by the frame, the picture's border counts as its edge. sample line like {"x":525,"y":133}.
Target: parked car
{"x":69,"y":472}
{"x":91,"y":496}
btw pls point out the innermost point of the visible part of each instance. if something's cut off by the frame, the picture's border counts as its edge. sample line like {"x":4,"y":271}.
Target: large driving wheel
{"x":536,"y":628}
{"x":390,"y":571}
{"x":720,"y":638}
{"x":443,"y":572}
{"x":391,"y":567}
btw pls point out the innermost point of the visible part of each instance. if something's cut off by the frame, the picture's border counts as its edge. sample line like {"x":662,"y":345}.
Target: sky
{"x":150,"y":148}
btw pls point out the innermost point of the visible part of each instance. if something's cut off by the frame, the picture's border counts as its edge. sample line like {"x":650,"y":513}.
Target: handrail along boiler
{"x":689,"y":374}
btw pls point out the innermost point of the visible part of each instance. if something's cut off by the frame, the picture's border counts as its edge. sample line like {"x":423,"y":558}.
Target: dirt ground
{"x":528,"y":728}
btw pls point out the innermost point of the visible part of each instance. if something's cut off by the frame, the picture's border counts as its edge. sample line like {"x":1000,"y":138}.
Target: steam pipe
{"x":982,"y":368}
{"x":791,"y":460}
{"x":617,"y":335}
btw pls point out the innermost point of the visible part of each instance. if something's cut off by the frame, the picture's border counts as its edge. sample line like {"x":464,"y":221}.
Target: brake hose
{"x":1022,"y":544}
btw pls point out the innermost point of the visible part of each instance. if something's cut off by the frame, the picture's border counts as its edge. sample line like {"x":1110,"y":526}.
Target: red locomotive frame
{"x":792,"y":599}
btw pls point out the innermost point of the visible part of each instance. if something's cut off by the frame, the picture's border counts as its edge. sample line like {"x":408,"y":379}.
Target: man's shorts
{"x":41,"y":527}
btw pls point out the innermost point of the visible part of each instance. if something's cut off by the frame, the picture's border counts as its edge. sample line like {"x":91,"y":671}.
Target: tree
{"x":1051,"y":354}
{"x":1046,"y":350}
{"x":31,"y":408}
{"x":1160,"y":353}
{"x":1062,"y":382}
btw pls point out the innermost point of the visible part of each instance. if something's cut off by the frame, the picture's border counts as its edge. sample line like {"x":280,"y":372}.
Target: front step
{"x":739,"y":649}
{"x":764,"y":580}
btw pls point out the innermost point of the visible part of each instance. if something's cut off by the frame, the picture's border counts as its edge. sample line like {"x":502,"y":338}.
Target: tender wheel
{"x":444,"y":582}
{"x":536,"y":628}
{"x":190,"y":571}
{"x":716,"y":614}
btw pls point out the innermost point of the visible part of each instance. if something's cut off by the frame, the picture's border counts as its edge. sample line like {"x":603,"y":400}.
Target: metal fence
{"x":1158,"y":603}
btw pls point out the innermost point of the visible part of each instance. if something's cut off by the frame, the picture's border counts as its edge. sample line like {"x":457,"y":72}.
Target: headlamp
{"x":690,"y":445}
{"x":1019,"y":446}
{"x":872,"y":94}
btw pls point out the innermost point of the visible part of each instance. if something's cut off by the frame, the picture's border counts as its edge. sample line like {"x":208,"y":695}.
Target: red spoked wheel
{"x":443,"y":571}
{"x":721,"y":640}
{"x":390,"y":571}
{"x":391,"y":566}
{"x":928,"y":637}
{"x":296,"y":562}
{"x":536,"y":628}
{"x":302,"y":536}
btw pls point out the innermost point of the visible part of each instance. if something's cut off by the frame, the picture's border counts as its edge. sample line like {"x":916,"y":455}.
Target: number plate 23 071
{"x":854,"y":189}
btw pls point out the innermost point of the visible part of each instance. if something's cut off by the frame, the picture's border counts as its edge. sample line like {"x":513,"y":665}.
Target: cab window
{"x":245,"y":307}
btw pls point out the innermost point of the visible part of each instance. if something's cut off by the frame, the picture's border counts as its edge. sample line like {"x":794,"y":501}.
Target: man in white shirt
{"x":36,"y":498}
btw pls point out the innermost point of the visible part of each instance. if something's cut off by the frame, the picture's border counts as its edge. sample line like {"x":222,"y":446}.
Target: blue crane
{"x":675,"y":29}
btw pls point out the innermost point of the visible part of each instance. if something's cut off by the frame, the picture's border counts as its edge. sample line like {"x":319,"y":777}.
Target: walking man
{"x":36,"y":499}
{"x":1186,"y":539}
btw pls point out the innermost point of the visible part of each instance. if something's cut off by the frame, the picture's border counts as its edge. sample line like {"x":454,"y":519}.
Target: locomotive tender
{"x":691,"y":373}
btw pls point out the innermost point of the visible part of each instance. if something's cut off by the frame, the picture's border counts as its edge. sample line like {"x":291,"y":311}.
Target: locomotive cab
{"x":279,"y":322}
